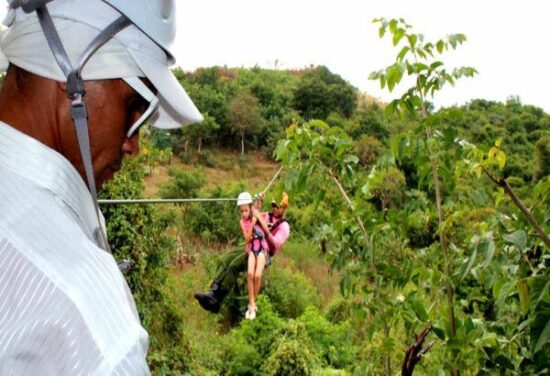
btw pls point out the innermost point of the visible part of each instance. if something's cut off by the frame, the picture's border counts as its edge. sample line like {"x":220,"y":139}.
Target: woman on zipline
{"x":257,"y":249}
{"x":276,"y":229}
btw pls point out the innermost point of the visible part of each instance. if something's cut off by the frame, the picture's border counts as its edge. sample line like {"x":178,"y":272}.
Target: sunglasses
{"x":142,"y":89}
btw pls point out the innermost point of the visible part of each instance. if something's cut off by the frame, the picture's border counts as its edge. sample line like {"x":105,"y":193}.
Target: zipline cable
{"x":180,"y":200}
{"x":273,"y":180}
{"x":164,"y":201}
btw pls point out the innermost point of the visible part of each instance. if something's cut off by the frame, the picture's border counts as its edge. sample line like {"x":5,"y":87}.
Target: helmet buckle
{"x":75,"y":86}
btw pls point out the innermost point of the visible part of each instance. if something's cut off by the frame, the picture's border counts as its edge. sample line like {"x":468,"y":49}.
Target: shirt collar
{"x":46,"y":168}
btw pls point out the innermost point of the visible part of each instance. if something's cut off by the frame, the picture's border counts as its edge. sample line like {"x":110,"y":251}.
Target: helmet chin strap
{"x":76,"y":89}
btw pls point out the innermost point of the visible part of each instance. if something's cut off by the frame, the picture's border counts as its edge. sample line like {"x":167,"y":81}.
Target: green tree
{"x":369,"y":149}
{"x":200,"y":132}
{"x":321,"y":92}
{"x":138,"y":233}
{"x":542,"y":157}
{"x":417,"y":58}
{"x":182,"y":184}
{"x":244,"y":113}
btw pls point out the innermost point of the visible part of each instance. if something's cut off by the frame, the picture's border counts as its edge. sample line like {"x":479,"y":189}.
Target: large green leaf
{"x":468,"y":265}
{"x":518,"y":238}
{"x":523,"y":296}
{"x":417,"y":306}
{"x":398,"y":35}
{"x":487,"y":248}
{"x":402,"y":53}
{"x":394,"y":75}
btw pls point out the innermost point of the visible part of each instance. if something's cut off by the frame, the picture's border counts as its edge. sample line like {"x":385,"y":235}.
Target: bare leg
{"x":260,"y":264}
{"x":251,"y":267}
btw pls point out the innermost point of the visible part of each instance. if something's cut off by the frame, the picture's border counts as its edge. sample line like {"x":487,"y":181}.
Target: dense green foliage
{"x":138,"y":234}
{"x":478,"y":266}
{"x":406,"y":204}
{"x":321,"y":92}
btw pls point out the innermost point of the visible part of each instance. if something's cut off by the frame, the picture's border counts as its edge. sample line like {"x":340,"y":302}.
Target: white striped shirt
{"x":65,"y":308}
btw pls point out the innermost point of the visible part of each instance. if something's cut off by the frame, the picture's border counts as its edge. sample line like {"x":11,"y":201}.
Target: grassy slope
{"x":227,"y":171}
{"x":195,"y":267}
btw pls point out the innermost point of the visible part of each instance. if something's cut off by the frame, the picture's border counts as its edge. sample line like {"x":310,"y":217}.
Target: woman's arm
{"x":261,"y":220}
{"x":247,"y":233}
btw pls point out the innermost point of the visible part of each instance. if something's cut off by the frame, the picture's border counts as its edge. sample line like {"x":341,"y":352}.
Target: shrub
{"x":242,"y":359}
{"x":251,"y":342}
{"x":183,"y":184}
{"x":339,"y":310}
{"x":186,"y":157}
{"x":293,"y":353}
{"x":330,"y":372}
{"x":243,"y":161}
{"x":205,"y":158}
{"x":290,"y":293}
{"x":333,"y":342}
{"x":369,"y":149}
{"x":542,"y":157}
{"x":290,"y":358}
{"x":138,"y":233}
{"x":216,"y":221}
{"x":388,"y":185}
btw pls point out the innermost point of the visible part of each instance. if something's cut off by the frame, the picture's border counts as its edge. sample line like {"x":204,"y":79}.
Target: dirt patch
{"x":255,"y":173}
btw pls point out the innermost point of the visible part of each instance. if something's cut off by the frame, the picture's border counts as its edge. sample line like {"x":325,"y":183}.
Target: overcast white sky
{"x":508,"y":41}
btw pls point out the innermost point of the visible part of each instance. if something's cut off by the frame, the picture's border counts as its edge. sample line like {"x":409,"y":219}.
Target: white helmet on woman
{"x":244,"y":198}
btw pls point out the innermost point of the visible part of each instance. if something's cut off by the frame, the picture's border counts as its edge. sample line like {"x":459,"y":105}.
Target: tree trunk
{"x":443,"y":241}
{"x":200,"y":145}
{"x":437,"y":187}
{"x":242,"y":143}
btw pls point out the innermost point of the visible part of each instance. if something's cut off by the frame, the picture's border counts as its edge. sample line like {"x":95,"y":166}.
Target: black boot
{"x":212,"y":299}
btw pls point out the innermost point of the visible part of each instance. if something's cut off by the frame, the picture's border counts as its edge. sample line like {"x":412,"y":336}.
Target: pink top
{"x":258,"y":244}
{"x":278,"y":236}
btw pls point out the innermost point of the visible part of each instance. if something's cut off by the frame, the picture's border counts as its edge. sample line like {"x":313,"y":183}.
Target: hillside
{"x":400,"y":222}
{"x":300,"y":265}
{"x":225,"y":171}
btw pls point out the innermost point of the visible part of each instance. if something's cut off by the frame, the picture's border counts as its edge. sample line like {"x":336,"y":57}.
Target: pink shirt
{"x":278,"y":236}
{"x":259,"y":244}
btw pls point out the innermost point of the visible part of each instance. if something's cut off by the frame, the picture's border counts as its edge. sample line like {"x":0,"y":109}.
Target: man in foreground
{"x":83,"y":76}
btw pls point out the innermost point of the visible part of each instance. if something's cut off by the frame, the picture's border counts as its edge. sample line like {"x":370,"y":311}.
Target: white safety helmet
{"x":244,"y":198}
{"x":156,"y":19}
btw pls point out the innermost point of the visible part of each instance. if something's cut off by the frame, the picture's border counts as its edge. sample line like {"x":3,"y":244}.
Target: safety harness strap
{"x":54,"y":41}
{"x":80,"y":118}
{"x":76,"y":91}
{"x":273,"y":226}
{"x":110,"y":31}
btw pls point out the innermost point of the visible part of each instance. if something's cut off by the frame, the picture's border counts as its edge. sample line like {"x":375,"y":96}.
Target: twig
{"x":530,"y":265}
{"x":414,"y":352}
{"x":357,"y":218}
{"x":520,"y":205}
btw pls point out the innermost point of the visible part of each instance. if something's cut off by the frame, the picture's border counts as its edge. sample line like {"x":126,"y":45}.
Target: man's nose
{"x":131,"y":145}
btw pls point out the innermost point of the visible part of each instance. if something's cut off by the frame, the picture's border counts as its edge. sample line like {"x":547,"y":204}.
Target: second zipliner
{"x":264,"y":233}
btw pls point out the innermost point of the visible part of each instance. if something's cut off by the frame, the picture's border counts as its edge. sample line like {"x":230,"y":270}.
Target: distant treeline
{"x":250,"y":108}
